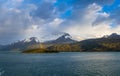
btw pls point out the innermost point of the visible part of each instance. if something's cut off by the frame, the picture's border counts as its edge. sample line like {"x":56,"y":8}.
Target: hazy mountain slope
{"x":22,"y":45}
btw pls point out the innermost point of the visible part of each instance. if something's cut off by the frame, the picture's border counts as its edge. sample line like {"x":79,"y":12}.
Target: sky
{"x":82,"y":19}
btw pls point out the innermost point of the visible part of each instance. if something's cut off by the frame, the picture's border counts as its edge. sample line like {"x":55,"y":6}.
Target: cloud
{"x":25,"y":18}
{"x":84,"y":28}
{"x":13,"y":20}
{"x":63,"y":5}
{"x":102,"y":17}
{"x":44,"y":11}
{"x":56,"y":22}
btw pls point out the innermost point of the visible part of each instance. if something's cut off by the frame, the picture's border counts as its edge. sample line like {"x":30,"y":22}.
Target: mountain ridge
{"x":34,"y":42}
{"x":65,"y":38}
{"x":20,"y":45}
{"x":103,"y":44}
{"x":66,"y":44}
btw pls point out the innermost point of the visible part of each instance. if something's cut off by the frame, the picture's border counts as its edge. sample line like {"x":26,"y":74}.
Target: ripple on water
{"x":62,"y":64}
{"x":1,"y":71}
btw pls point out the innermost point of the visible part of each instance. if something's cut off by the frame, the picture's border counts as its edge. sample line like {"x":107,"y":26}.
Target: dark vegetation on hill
{"x":39,"y":50}
{"x":104,"y":44}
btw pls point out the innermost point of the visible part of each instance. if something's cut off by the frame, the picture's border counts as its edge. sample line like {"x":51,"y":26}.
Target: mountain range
{"x":65,"y":43}
{"x":21,"y":45}
{"x":34,"y":42}
{"x":103,"y":44}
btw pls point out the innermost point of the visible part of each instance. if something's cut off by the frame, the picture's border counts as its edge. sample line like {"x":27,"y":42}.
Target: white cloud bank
{"x":20,"y":20}
{"x":90,"y":27}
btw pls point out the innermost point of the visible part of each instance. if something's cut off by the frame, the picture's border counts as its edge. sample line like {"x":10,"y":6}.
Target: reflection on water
{"x":60,"y":64}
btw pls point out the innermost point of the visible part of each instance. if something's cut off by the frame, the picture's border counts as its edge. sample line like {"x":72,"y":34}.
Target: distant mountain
{"x":65,"y":44}
{"x":22,"y":45}
{"x":31,"y":40}
{"x":34,"y":43}
{"x":51,"y":36}
{"x":112,"y":36}
{"x":65,"y":38}
{"x":108,"y":43}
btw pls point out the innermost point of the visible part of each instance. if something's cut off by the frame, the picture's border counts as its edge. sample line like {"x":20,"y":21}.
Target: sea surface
{"x":60,"y":64}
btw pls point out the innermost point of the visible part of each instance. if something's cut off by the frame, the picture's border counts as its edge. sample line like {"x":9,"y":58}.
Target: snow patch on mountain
{"x":52,"y":36}
{"x":31,"y":39}
{"x":27,"y":40}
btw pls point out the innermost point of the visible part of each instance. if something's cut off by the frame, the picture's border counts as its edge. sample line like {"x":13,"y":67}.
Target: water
{"x":60,"y":64}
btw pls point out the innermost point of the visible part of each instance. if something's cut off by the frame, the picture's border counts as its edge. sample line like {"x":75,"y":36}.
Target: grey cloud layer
{"x":25,"y":18}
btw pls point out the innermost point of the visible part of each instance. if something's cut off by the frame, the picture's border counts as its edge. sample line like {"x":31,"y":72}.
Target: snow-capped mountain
{"x":22,"y":45}
{"x":32,"y":39}
{"x":113,"y":36}
{"x":51,"y":36}
{"x":65,"y":38}
{"x":34,"y":42}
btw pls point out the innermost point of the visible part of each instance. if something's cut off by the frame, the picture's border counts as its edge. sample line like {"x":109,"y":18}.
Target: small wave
{"x":1,"y":71}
